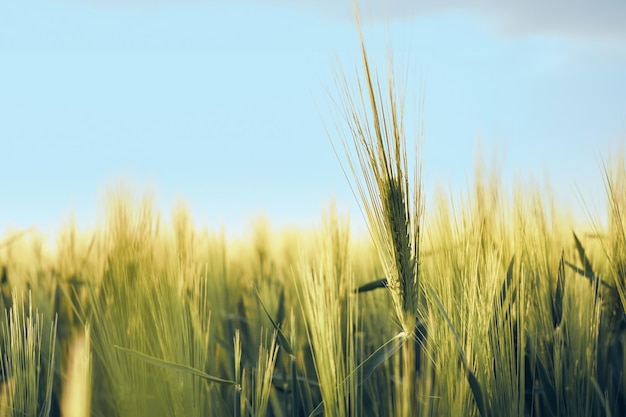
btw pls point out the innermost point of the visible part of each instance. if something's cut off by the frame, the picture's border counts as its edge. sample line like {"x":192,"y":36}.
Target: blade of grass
{"x":583,"y":273}
{"x":588,"y":268}
{"x":557,"y":312}
{"x":547,"y":386}
{"x":294,"y":383}
{"x":366,"y":368}
{"x":281,"y":313}
{"x":284,"y":342}
{"x":478,"y":393}
{"x":443,"y":312}
{"x":475,"y":387}
{"x":374,"y":285}
{"x":175,"y":366}
{"x":507,"y":284}
{"x":601,"y":397}
{"x":506,"y":301}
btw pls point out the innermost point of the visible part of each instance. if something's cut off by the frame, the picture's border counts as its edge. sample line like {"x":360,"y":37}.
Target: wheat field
{"x":495,"y":304}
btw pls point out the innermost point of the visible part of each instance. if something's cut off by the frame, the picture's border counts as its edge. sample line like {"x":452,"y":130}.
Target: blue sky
{"x":225,"y":104}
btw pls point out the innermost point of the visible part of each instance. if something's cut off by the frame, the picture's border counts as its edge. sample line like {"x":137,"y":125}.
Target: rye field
{"x":493,"y":304}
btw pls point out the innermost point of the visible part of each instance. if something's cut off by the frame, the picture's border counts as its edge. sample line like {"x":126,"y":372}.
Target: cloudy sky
{"x":226,"y":103}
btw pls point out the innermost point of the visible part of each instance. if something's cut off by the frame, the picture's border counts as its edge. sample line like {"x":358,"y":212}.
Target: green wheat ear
{"x":376,"y":153}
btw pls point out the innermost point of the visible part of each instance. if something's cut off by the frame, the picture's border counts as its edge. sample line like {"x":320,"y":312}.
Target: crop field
{"x":495,"y":304}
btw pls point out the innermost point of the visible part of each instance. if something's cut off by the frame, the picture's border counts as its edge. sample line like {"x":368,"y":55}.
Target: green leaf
{"x":508,"y":295}
{"x":374,"y":285}
{"x":319,"y":410}
{"x":601,"y":397}
{"x":588,"y":269}
{"x":557,"y":312}
{"x":281,"y":381}
{"x":174,"y":366}
{"x":443,"y":312}
{"x":548,"y":388}
{"x":281,"y":313}
{"x":295,"y":400}
{"x":478,"y":393}
{"x":366,"y":368}
{"x":471,"y":377}
{"x":582,"y":273}
{"x":507,"y":284}
{"x":283,"y":341}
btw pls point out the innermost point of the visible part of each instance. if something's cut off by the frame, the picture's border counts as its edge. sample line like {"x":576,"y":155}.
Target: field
{"x":497,"y":304}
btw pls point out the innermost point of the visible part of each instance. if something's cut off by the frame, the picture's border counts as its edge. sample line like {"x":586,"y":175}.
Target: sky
{"x":227,"y":104}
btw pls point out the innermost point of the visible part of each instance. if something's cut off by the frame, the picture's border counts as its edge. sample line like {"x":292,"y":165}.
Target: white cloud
{"x":571,"y":18}
{"x":602,"y":19}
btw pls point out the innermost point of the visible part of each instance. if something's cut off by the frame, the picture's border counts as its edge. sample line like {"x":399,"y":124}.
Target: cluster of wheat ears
{"x":494,"y":309}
